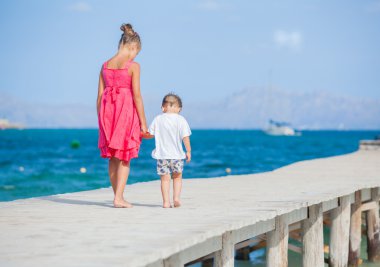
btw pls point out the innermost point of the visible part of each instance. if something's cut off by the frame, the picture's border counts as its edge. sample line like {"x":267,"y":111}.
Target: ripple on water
{"x":8,"y":187}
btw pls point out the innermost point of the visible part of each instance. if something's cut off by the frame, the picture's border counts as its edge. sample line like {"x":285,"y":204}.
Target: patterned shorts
{"x":167,"y":166}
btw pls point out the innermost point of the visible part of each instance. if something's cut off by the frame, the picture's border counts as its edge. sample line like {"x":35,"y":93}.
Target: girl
{"x":121,"y":113}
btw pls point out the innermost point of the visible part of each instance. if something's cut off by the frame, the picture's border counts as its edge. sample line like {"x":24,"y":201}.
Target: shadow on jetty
{"x":107,"y":204}
{"x":58,"y":199}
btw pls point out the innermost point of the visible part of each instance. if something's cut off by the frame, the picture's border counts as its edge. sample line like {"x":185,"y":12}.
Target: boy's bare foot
{"x":166,"y":205}
{"x":122,"y":204}
{"x":177,"y":204}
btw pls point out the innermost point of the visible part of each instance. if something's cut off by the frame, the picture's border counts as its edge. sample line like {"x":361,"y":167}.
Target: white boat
{"x":281,"y":129}
{"x":5,"y":124}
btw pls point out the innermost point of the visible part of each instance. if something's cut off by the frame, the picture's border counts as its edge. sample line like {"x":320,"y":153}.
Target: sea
{"x":39,"y":162}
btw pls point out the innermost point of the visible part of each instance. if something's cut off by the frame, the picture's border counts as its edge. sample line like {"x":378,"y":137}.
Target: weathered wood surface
{"x":312,"y":238}
{"x":340,"y":233}
{"x":277,"y":244}
{"x":82,"y":229}
{"x":355,"y":231}
{"x":373,"y":228}
{"x":225,"y":256}
{"x":370,"y":144}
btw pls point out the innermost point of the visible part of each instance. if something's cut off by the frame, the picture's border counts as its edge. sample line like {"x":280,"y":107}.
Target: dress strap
{"x":105,"y":65}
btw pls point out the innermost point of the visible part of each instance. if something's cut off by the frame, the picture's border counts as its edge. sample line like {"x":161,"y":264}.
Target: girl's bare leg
{"x":177,"y":186}
{"x":165,"y":190}
{"x":112,"y":172}
{"x":122,"y":177}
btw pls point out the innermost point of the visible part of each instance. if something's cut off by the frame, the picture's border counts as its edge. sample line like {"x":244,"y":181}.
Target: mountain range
{"x":245,"y":109}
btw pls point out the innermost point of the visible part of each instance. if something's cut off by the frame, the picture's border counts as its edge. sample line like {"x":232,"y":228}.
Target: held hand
{"x":144,"y":129}
{"x":147,"y":135}
{"x":188,"y":156}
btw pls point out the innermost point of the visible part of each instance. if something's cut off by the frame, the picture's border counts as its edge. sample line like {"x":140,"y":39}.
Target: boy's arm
{"x":186,"y":142}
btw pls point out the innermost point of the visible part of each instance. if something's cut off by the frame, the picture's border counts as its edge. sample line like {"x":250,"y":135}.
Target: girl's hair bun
{"x":129,"y":35}
{"x":127,"y":29}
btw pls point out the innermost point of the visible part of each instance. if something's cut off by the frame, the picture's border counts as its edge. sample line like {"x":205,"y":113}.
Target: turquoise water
{"x":38,"y":162}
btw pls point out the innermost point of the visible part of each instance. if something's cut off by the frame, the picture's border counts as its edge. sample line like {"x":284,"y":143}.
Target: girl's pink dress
{"x":119,"y":124}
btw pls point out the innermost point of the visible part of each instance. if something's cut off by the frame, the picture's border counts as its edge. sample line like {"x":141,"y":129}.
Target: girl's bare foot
{"x":166,"y":205}
{"x":177,"y":204}
{"x":122,"y":204}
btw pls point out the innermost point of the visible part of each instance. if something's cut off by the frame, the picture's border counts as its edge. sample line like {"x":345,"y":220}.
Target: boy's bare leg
{"x":122,"y":177}
{"x":165,"y":190}
{"x":177,"y":186}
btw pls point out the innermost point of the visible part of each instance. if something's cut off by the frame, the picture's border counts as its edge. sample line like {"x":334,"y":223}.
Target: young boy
{"x":169,"y":130}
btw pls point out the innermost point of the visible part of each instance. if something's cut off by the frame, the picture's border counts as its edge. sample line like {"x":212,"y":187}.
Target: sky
{"x":207,"y":51}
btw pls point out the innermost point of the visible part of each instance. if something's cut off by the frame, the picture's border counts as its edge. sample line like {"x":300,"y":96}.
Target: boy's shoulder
{"x":164,"y":116}
{"x":176,"y":115}
{"x":181,"y":117}
{"x":158,"y":117}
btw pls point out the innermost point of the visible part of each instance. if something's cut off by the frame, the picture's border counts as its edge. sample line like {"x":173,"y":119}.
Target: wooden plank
{"x":369,"y":145}
{"x":365,"y":194}
{"x":294,"y":248}
{"x":296,"y":215}
{"x":355,"y":231}
{"x":373,"y":228}
{"x":352,"y":198}
{"x":371,"y":205}
{"x":339,"y":233}
{"x":243,"y":254}
{"x":247,"y":243}
{"x":208,"y":262}
{"x":248,"y":232}
{"x":225,"y":256}
{"x":296,"y":235}
{"x":205,"y":260}
{"x":159,"y":263}
{"x":248,"y":246}
{"x":195,"y":252}
{"x":174,"y":261}
{"x":277,"y":244}
{"x":256,"y":229}
{"x":294,"y":226}
{"x":330,"y":204}
{"x":312,"y":238}
{"x":260,"y":245}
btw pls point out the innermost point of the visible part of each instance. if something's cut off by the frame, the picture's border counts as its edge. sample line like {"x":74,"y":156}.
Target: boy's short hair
{"x":171,"y":99}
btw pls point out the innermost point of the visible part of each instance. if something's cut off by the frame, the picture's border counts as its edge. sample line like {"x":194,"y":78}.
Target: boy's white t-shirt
{"x":169,"y":129}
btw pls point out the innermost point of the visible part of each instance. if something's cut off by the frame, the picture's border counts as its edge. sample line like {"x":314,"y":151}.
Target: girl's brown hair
{"x":129,"y":35}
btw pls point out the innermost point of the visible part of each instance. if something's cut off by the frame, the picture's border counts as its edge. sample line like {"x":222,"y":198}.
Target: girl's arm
{"x":100,"y":92}
{"x":137,"y":98}
{"x":186,"y":142}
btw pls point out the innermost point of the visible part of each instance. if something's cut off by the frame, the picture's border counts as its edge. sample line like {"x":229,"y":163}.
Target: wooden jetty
{"x":218,"y":216}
